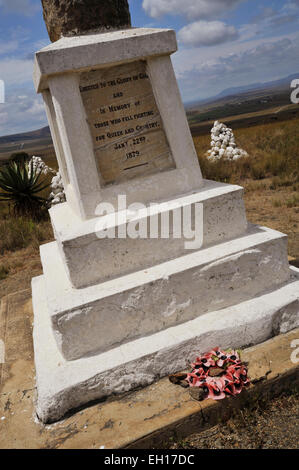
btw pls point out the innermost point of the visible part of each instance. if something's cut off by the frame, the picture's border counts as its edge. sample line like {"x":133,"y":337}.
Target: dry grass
{"x":277,"y":209}
{"x":266,"y":424}
{"x":273,"y":150}
{"x":19,"y":249}
{"x":270,"y":175}
{"x":19,"y":232}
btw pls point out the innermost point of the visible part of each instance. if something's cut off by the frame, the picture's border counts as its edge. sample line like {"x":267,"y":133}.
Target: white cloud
{"x":269,"y":18}
{"x":24,"y":109}
{"x":192,"y":9}
{"x":292,"y":4}
{"x":37,"y":107}
{"x":23,"y":7}
{"x":16,"y":71}
{"x":207,"y":33}
{"x":204,"y":72}
{"x":40,"y":44}
{"x":22,"y":112}
{"x":8,"y":46}
{"x":264,"y":14}
{"x":3,"y":117}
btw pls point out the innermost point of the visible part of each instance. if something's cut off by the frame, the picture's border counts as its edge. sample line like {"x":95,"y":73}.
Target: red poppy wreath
{"x":219,"y":373}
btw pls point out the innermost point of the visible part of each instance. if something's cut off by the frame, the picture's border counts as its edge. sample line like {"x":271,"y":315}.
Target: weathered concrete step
{"x":88,"y":258}
{"x":101,"y":317}
{"x":63,"y":385}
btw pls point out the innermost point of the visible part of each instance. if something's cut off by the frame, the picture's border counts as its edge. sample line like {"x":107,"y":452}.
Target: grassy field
{"x":238,"y":106}
{"x":246,"y":120}
{"x":270,"y":177}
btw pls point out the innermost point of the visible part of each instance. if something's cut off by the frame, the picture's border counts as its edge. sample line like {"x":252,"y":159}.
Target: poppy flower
{"x":219,"y":384}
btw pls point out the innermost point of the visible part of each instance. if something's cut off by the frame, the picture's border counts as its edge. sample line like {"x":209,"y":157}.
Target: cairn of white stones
{"x":223,"y":145}
{"x":57,"y":195}
{"x":38,"y":165}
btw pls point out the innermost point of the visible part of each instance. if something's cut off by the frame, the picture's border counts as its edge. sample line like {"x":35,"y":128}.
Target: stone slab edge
{"x":68,"y":226}
{"x":210,"y":413}
{"x":62,"y":296}
{"x":66,"y":385}
{"x":85,"y":52}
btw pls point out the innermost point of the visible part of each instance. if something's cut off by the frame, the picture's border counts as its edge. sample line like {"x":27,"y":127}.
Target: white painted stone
{"x":88,"y":259}
{"x":56,"y":137}
{"x":98,"y":318}
{"x":63,"y":385}
{"x":173,"y":113}
{"x":75,"y":139}
{"x":92,"y":51}
{"x":58,"y":68}
{"x":161,"y":305}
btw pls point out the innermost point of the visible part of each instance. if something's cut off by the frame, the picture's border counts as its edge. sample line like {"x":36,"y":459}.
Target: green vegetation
{"x":22,"y":186}
{"x":20,"y":157}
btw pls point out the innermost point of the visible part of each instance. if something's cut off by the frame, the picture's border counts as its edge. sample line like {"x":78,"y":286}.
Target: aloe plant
{"x":22,"y":186}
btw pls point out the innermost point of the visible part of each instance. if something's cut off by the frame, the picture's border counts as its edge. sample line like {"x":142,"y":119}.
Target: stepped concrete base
{"x":63,"y":385}
{"x":101,"y":317}
{"x":87,"y":257}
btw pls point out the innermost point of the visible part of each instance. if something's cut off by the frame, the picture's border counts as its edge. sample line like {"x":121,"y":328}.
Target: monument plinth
{"x":114,"y":312}
{"x":113,"y":98}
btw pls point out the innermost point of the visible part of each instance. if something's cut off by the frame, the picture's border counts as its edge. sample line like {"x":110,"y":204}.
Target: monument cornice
{"x":95,"y":51}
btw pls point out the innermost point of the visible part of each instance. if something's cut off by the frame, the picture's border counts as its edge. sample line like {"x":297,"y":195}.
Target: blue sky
{"x":222,"y":43}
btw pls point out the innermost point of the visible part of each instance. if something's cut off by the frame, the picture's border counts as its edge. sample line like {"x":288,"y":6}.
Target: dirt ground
{"x":272,"y":425}
{"x":274,"y":209}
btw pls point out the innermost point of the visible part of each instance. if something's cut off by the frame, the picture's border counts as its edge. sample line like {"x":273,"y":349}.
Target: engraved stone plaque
{"x":125,"y":123}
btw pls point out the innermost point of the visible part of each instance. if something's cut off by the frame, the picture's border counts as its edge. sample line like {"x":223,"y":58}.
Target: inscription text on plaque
{"x":125,"y":123}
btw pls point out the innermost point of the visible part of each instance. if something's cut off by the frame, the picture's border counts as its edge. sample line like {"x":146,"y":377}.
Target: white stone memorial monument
{"x":111,"y":314}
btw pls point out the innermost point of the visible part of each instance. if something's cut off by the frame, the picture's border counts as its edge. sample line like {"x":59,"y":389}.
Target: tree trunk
{"x":73,"y":17}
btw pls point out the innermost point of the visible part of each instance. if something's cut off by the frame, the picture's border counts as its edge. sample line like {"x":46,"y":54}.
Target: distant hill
{"x":43,"y":133}
{"x":281,"y":83}
{"x":276,"y":85}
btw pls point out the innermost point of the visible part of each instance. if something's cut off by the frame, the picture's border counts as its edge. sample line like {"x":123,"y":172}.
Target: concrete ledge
{"x":63,"y":385}
{"x":280,"y":379}
{"x":101,"y":317}
{"x":145,"y":189}
{"x":87,"y":258}
{"x":92,"y":51}
{"x":139,"y":419}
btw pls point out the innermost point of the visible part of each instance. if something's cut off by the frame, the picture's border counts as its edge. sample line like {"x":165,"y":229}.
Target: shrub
{"x":22,"y":187}
{"x":20,"y":157}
